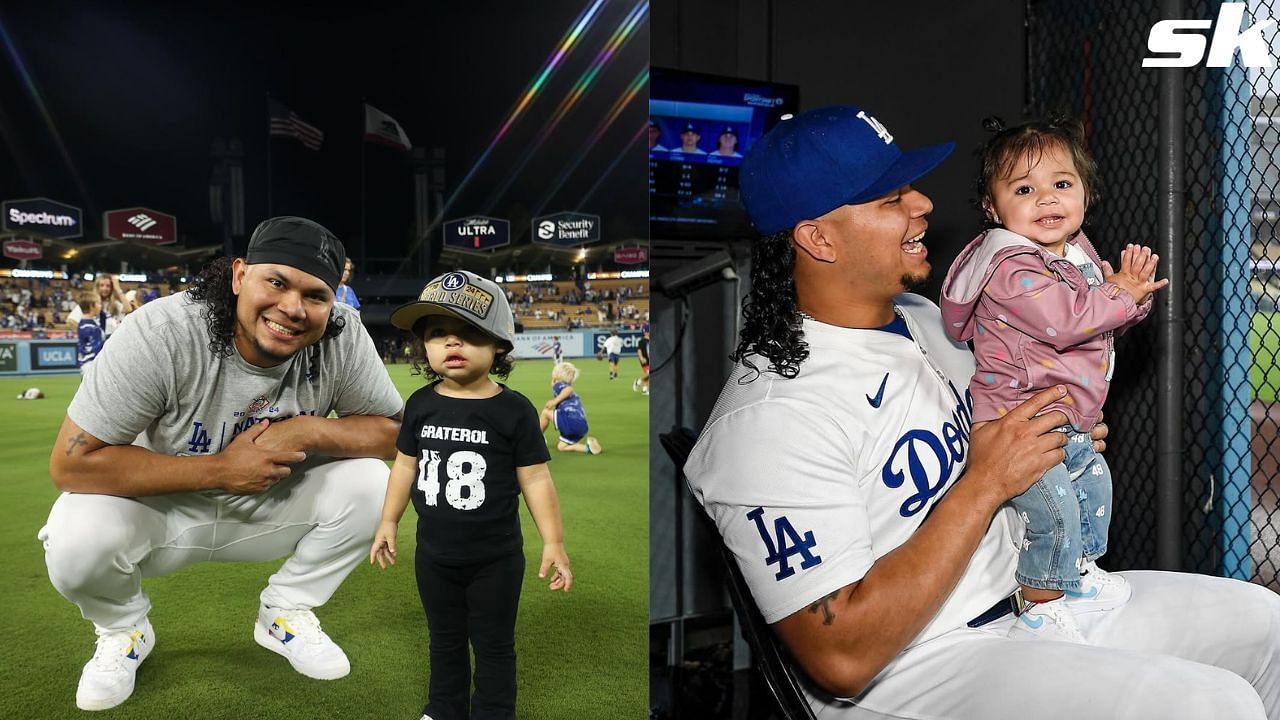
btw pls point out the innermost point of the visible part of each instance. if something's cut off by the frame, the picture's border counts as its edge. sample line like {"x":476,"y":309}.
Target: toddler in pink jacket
{"x":1041,"y":308}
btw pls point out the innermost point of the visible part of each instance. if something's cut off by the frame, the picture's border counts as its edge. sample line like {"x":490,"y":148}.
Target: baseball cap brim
{"x":408,"y":315}
{"x":911,"y":166}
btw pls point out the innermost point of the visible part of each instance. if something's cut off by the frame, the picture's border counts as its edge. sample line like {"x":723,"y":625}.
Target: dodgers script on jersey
{"x":810,"y":480}
{"x":156,"y":384}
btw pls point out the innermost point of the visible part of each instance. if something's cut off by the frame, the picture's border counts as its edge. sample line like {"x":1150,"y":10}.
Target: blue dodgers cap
{"x":815,"y":162}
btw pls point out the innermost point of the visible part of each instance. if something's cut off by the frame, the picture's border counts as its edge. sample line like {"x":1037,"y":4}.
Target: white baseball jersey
{"x":811,"y":480}
{"x":613,"y":345}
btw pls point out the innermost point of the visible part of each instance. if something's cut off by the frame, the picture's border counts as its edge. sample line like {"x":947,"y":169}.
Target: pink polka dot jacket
{"x":1035,"y":322}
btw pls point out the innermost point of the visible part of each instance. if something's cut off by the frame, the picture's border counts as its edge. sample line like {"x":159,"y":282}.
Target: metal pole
{"x":1169,"y":410}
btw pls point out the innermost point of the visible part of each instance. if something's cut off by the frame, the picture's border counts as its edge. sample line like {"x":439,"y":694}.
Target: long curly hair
{"x":772,"y":326}
{"x":212,"y":288}
{"x":503,"y":363}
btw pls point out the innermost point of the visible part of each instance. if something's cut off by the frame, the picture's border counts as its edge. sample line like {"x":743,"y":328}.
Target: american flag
{"x":286,"y":123}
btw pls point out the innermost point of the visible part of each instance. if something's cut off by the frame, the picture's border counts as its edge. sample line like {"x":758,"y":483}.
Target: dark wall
{"x":929,"y":71}
{"x":929,"y":74}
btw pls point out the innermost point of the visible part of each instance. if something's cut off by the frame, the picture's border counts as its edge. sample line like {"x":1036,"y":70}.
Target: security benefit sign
{"x":566,"y":229}
{"x":42,"y":216}
{"x":477,"y":233}
{"x":139,"y":224}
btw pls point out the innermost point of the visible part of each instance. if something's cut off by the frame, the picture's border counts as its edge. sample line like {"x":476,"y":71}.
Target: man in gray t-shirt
{"x":203,"y":432}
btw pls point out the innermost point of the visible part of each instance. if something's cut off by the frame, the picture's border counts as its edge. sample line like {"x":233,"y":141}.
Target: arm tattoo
{"x":73,"y":442}
{"x":824,"y":604}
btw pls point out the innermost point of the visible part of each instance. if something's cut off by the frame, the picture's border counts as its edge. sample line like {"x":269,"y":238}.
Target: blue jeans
{"x":1068,"y":513}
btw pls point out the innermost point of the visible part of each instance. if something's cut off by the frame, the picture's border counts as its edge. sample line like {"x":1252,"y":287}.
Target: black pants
{"x":478,"y":603}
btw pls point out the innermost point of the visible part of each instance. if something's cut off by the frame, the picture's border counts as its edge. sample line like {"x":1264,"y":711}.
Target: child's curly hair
{"x":1008,"y":145}
{"x":503,"y":363}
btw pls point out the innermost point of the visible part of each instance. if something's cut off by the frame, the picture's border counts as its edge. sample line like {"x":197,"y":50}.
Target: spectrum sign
{"x":43,"y":216}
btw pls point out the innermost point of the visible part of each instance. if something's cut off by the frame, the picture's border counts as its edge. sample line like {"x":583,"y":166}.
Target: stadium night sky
{"x":540,"y":106}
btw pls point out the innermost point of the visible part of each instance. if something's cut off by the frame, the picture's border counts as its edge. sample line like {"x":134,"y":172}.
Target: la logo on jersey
{"x":930,"y":458}
{"x":789,"y":542}
{"x":875,"y":125}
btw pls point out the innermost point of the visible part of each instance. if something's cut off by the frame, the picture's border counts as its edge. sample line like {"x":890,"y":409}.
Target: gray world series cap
{"x":466,"y":296}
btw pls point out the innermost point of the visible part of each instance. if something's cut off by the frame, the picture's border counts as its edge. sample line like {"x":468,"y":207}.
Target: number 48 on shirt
{"x":465,"y":470}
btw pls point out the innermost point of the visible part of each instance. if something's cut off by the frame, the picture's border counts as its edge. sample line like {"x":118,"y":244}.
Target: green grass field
{"x":581,"y":655}
{"x":1264,"y":341}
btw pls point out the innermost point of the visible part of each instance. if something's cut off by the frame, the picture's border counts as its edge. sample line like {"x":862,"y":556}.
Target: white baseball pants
{"x":1184,"y":646}
{"x":98,"y":548}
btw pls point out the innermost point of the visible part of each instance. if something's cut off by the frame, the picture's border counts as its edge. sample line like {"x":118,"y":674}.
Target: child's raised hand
{"x":384,"y":545}
{"x":553,"y":554}
{"x":1137,"y":272}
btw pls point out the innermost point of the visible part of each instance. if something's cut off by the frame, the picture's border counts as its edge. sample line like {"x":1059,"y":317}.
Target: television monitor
{"x":700,"y":126}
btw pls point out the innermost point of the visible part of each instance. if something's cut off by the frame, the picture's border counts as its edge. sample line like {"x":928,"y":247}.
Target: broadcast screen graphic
{"x":700,"y":126}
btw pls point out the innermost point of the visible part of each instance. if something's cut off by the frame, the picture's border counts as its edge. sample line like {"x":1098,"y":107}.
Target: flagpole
{"x":269,"y":155}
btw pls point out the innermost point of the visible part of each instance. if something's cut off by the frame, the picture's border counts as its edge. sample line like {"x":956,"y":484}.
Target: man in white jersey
{"x":865,"y":511}
{"x":203,"y":433}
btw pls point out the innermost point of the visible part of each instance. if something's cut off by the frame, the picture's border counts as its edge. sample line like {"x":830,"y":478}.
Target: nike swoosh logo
{"x":1033,"y":625}
{"x":1093,"y":593}
{"x":875,"y":401}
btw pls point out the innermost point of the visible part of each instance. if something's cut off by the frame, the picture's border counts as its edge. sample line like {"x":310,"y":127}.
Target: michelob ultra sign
{"x":477,"y":233}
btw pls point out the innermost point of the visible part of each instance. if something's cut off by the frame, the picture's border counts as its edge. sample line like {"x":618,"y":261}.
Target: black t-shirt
{"x":466,"y":492}
{"x":642,"y":351}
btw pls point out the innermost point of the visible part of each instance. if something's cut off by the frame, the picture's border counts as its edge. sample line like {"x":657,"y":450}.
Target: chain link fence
{"x":1083,"y":59}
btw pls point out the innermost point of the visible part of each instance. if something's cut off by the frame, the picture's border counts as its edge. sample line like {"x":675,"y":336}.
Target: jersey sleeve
{"x":780,"y":484}
{"x":367,"y":388}
{"x":128,"y":385}
{"x":530,"y":447}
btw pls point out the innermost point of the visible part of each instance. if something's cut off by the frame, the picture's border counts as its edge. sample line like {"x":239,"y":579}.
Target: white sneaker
{"x":1047,"y":621}
{"x":296,"y":635}
{"x":635,"y":386}
{"x":107,"y":679}
{"x":1099,"y":590}
{"x":593,"y":445}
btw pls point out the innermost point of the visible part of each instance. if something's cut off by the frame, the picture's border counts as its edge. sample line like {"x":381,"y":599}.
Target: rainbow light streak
{"x":34,"y":92}
{"x":643,"y":132}
{"x":562,"y":51}
{"x":624,"y":32}
{"x":615,"y":42}
{"x":637,"y":85}
{"x":553,"y":63}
